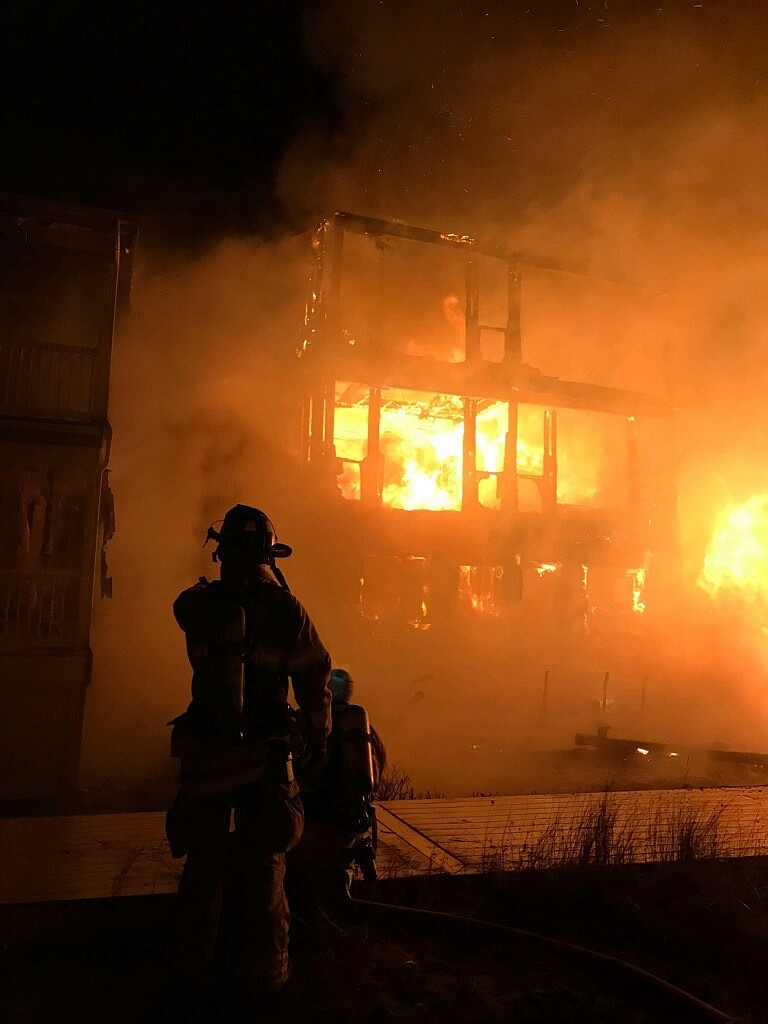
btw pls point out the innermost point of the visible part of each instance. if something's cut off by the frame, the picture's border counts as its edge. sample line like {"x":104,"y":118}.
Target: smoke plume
{"x":625,"y":138}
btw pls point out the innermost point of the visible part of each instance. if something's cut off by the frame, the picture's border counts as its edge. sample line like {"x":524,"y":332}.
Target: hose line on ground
{"x":674,"y":995}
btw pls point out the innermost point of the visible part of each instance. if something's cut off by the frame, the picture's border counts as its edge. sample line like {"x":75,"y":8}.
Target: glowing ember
{"x":479,"y":587}
{"x":737,"y":556}
{"x":545,"y":569}
{"x":638,"y":590}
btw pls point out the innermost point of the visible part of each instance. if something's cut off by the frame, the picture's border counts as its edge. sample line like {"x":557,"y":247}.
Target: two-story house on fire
{"x":463,"y":481}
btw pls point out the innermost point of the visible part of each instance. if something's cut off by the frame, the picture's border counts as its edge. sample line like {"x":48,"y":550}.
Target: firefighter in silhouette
{"x":245,"y":634}
{"x":340,"y":826}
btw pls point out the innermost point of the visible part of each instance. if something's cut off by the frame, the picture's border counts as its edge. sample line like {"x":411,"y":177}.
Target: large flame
{"x":737,"y":555}
{"x":421,"y":438}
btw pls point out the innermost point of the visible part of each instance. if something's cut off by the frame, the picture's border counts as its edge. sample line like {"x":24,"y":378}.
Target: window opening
{"x":394,"y":590}
{"x":480,"y":587}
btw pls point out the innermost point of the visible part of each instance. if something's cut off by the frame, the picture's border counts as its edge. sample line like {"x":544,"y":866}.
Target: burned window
{"x":68,"y":520}
{"x":44,"y":514}
{"x":530,"y":457}
{"x":419,"y":444}
{"x":617,"y":598}
{"x":566,"y":457}
{"x":592,"y":469}
{"x":421,"y":440}
{"x":492,"y":425}
{"x":42,"y":542}
{"x":350,"y":435}
{"x":395,"y":591}
{"x":492,"y":439}
{"x":401,"y":295}
{"x":480,"y":588}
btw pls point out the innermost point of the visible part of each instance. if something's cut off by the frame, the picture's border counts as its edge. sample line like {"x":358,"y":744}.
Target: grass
{"x":609,"y":832}
{"x":396,"y":785}
{"x":605,"y":830}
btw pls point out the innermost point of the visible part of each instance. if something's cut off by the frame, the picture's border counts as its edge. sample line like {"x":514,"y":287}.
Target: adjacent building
{"x":64,"y":277}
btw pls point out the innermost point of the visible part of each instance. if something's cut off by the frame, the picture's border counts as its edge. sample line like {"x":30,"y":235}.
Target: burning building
{"x":447,"y":486}
{"x":463,"y":481}
{"x":65,"y":272}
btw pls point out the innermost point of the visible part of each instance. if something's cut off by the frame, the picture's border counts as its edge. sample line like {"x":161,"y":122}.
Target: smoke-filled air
{"x":628,"y":143}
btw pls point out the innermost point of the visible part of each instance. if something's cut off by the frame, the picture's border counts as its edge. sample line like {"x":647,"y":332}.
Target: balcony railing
{"x":39,"y":609}
{"x":48,"y":381}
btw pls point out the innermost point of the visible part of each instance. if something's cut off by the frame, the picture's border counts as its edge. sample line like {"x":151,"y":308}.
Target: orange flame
{"x":421,"y":438}
{"x":737,"y":555}
{"x":638,"y":577}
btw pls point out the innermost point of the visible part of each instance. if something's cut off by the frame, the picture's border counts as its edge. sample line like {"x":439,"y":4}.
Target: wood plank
{"x":96,"y":856}
{"x":437,"y":858}
{"x":85,"y":856}
{"x":514,"y":830}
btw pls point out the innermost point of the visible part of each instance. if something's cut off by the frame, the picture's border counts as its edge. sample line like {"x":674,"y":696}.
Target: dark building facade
{"x":64,"y":277}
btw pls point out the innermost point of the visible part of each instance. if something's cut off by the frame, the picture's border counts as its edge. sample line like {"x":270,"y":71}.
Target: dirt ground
{"x":702,"y":926}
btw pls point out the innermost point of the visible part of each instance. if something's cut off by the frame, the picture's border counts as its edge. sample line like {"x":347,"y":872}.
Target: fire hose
{"x":687,"y":1005}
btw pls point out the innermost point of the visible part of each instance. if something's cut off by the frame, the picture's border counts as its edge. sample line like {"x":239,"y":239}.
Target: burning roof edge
{"x":399,"y":229}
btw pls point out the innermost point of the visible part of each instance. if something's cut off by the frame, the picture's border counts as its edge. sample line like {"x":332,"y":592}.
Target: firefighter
{"x":340,"y":827}
{"x":245,"y":634}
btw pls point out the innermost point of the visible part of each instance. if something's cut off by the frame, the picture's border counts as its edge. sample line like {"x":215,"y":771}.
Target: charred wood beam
{"x":636,"y":517}
{"x":513,"y":345}
{"x":397,"y":229}
{"x":493,"y":381}
{"x":510,"y":500}
{"x":371,"y":466}
{"x":472,"y":352}
{"x":329,"y":426}
{"x":317,"y":423}
{"x":621,"y":746}
{"x":549,"y":478}
{"x":334,"y":292}
{"x":469,"y":462}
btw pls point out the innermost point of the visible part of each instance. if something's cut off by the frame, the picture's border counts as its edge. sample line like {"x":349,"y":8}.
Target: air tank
{"x":356,"y":760}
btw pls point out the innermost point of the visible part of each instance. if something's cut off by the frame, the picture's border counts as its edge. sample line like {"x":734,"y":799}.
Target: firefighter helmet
{"x":247,"y":534}
{"x":340,"y":684}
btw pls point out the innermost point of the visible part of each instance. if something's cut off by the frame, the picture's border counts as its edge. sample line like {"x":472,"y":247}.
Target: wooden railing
{"x":48,"y":381}
{"x":39,"y":609}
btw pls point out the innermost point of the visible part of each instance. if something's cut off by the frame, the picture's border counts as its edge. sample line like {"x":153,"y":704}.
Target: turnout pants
{"x":268,"y":819}
{"x":320,"y":870}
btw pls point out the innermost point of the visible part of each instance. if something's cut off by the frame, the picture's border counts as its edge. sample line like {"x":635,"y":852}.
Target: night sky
{"x":187,"y":111}
{"x":183,"y":107}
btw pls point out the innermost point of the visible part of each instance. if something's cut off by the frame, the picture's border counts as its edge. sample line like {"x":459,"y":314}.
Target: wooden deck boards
{"x":84,"y":856}
{"x":93,"y":856}
{"x":498,"y":831}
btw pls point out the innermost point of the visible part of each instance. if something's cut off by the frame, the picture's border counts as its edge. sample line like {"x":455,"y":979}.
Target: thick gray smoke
{"x":199,"y":414}
{"x":623,"y":137}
